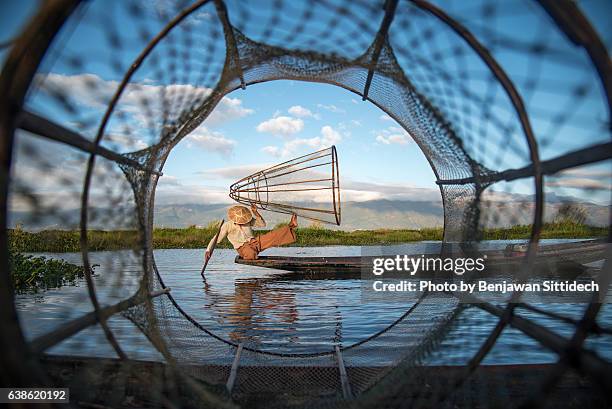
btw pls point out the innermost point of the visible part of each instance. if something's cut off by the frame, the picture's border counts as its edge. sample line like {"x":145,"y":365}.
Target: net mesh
{"x":141,"y":91}
{"x":308,"y":186}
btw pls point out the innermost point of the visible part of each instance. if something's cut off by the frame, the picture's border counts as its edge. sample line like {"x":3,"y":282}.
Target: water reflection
{"x":272,"y":311}
{"x":253,"y":306}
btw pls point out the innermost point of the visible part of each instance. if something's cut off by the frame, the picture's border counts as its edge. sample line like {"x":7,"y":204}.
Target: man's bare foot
{"x":293,"y":223}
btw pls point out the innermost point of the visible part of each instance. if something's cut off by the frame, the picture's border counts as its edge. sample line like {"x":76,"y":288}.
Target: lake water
{"x":274,"y":312}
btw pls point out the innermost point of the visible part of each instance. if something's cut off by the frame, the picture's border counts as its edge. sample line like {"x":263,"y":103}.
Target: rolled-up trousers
{"x":277,"y":237}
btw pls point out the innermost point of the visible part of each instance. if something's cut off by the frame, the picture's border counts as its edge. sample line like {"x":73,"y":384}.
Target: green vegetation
{"x":192,"y":237}
{"x":556,"y":230}
{"x":31,"y":274}
{"x":63,"y":241}
{"x":317,"y":236}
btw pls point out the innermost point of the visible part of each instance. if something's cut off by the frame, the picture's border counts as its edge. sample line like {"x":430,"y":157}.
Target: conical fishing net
{"x":308,"y":186}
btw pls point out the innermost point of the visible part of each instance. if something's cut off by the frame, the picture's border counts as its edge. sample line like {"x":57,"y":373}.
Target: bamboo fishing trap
{"x":308,"y":186}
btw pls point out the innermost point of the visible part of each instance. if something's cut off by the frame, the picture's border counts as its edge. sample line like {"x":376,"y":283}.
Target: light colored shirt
{"x":237,"y":234}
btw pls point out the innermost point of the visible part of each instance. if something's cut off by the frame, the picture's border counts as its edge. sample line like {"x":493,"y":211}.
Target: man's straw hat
{"x":239,"y":214}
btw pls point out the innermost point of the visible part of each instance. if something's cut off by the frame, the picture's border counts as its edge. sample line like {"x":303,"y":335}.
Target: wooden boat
{"x":567,"y":259}
{"x":309,"y":265}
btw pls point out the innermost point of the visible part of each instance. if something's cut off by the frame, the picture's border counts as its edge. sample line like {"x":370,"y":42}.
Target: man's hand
{"x":207,"y":256}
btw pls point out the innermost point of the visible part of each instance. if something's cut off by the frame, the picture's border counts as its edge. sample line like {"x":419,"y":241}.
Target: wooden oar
{"x":212,"y":249}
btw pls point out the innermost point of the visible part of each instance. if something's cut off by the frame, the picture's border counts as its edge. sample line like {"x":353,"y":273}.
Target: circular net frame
{"x":469,"y":91}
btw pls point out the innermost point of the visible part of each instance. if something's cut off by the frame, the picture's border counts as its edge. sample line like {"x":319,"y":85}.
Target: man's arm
{"x":259,"y":221}
{"x":222,"y":234}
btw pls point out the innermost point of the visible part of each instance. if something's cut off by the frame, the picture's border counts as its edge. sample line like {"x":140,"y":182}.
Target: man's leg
{"x":277,"y":237}
{"x":248,"y":251}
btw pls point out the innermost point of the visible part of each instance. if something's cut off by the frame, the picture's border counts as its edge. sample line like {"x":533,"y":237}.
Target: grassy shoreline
{"x":60,"y":241}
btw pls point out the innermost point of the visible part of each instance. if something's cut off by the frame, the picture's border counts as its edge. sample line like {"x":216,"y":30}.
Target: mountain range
{"x":375,"y":214}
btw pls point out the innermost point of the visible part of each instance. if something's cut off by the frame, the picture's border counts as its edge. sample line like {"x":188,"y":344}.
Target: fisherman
{"x":240,"y":233}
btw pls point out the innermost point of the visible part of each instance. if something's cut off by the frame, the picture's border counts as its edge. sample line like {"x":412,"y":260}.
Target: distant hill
{"x":373,"y":214}
{"x":355,"y":215}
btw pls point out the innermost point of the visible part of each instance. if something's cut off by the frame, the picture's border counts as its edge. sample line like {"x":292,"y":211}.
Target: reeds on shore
{"x":35,"y":273}
{"x":60,"y":241}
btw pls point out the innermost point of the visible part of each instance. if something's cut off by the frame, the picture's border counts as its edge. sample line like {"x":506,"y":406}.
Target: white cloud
{"x":329,"y":136}
{"x":272,"y":150}
{"x":385,"y":117}
{"x":232,"y":173}
{"x":88,"y":89}
{"x":212,"y":141}
{"x":580,"y":183}
{"x":301,"y":112}
{"x":168,"y":180}
{"x":593,"y":178}
{"x":345,"y":127}
{"x":352,"y":190}
{"x":185,"y":194}
{"x":331,"y":108}
{"x":202,"y":15}
{"x":59,"y":186}
{"x":125,"y":142}
{"x":228,"y":110}
{"x":595,"y":173}
{"x":393,"y":138}
{"x":393,"y":135}
{"x":281,"y":125}
{"x":359,"y":191}
{"x":95,"y":93}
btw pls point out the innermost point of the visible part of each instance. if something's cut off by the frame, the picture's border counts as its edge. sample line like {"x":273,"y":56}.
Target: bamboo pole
{"x":46,"y":341}
{"x":585,"y":361}
{"x":42,"y":127}
{"x":212,"y":249}
{"x":234,"y":371}
{"x":344,"y":381}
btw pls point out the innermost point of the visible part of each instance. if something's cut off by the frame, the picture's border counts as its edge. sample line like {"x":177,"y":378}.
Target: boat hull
{"x":565,"y":260}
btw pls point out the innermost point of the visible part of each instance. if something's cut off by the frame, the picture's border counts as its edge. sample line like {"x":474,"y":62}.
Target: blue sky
{"x":284,"y":119}
{"x":272,"y":122}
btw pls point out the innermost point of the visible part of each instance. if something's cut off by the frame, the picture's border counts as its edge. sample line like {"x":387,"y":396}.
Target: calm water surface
{"x":268,"y":310}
